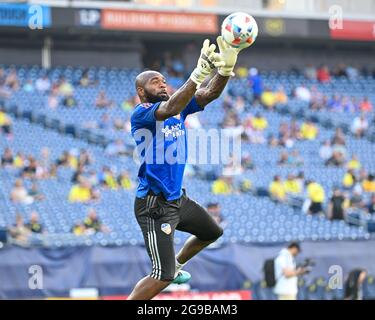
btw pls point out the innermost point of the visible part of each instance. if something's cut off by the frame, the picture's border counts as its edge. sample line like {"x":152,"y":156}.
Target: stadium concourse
{"x":66,"y":150}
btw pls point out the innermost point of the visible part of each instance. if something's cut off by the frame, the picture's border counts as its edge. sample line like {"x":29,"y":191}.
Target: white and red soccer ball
{"x":239,"y":30}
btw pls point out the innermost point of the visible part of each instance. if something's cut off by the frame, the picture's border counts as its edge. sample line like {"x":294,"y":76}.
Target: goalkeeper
{"x":161,"y":205}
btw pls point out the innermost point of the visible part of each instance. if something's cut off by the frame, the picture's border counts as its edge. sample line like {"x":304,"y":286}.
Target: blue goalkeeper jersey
{"x":162,"y":148}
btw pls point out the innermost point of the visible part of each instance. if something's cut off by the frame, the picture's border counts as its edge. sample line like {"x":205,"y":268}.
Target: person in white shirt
{"x":287,"y":273}
{"x":359,"y":126}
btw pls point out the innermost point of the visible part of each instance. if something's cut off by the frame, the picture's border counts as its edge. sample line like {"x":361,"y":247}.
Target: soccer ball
{"x":239,"y":30}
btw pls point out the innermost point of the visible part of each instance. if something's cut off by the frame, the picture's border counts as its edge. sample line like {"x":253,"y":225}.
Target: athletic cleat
{"x":182,"y":277}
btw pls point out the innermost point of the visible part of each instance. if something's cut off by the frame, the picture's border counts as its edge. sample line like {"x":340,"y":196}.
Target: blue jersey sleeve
{"x":144,"y":114}
{"x":191,"y":108}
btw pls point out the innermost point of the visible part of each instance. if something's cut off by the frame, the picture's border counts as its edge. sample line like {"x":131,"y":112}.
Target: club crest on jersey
{"x":146,"y":105}
{"x":166,"y":228}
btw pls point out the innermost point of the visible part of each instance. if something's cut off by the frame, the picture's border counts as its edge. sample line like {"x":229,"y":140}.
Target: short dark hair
{"x":294,"y":244}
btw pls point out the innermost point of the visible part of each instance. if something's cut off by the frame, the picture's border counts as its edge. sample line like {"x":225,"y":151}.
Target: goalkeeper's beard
{"x":152,"y":98}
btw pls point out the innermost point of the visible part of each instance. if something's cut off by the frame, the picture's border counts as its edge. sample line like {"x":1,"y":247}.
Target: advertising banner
{"x":23,"y":15}
{"x":159,"y":21}
{"x":354,"y":30}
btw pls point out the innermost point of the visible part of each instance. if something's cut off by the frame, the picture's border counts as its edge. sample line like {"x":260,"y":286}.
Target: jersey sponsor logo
{"x":166,"y":228}
{"x":173,"y":130}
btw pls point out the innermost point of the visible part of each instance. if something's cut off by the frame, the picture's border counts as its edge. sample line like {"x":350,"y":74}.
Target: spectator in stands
{"x":108,"y":179}
{"x":32,"y":169}
{"x":69,"y":101}
{"x":232,"y":167}
{"x":5,"y":124}
{"x":102,"y":101}
{"x":124,"y":181}
{"x":286,"y":272}
{"x":336,"y":207}
{"x":295,"y":159}
{"x":36,"y":193}
{"x":65,"y":88}
{"x":19,"y":194}
{"x":93,"y":224}
{"x":318,"y":100}
{"x":116,"y":148}
{"x":43,"y":84}
{"x":349,"y":179}
{"x":277,"y":189}
{"x":256,"y":84}
{"x":78,"y":229}
{"x":368,"y":184}
{"x":359,"y":126}
{"x":78,"y":173}
{"x":323,"y":74}
{"x":259,"y":122}
{"x":294,"y":130}
{"x":19,"y":160}
{"x":19,"y":232}
{"x":339,"y":138}
{"x":354,"y":283}
{"x":85,"y":80}
{"x":222,"y":185}
{"x":81,"y":192}
{"x":284,"y":158}
{"x":316,"y":197}
{"x":285,"y":138}
{"x":84,"y":158}
{"x":28,"y":86}
{"x":45,"y":161}
{"x":245,"y":185}
{"x":268,"y":99}
{"x":291,"y":186}
{"x":325,"y":151}
{"x":335,"y":103}
{"x":354,"y":163}
{"x":11,"y":80}
{"x":371,"y":205}
{"x":366,"y":105}
{"x":309,"y":130}
{"x":310,"y":72}
{"x":34,"y":224}
{"x":105,"y":122}
{"x":53,"y":100}
{"x":7,"y":158}
{"x":356,"y":201}
{"x":302,"y":93}
{"x":215,"y":211}
{"x":247,"y":162}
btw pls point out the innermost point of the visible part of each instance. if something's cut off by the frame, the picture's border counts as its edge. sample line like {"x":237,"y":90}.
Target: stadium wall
{"x":115,"y":270}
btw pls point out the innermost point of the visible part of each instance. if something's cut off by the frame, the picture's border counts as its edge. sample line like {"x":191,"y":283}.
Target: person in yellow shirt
{"x":316,"y":196}
{"x":259,"y":123}
{"x":19,"y":160}
{"x":80,"y":192}
{"x":222,"y":186}
{"x":349,"y":179}
{"x":368,"y":184}
{"x":125,"y":181}
{"x":308,"y":131}
{"x":354,"y":163}
{"x":292,"y":186}
{"x":5,"y":123}
{"x":277,"y":189}
{"x":268,"y":98}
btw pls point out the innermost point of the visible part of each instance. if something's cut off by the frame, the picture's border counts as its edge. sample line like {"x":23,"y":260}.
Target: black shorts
{"x":316,"y":207}
{"x":159,"y":218}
